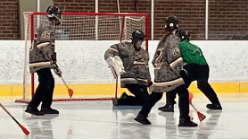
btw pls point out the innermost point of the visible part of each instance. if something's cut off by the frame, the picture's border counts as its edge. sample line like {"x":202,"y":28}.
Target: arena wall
{"x":227,"y":61}
{"x":227,"y":18}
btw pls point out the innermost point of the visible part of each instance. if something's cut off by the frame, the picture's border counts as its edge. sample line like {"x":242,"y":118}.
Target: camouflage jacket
{"x":135,"y":74}
{"x":167,"y":78}
{"x":42,"y":50}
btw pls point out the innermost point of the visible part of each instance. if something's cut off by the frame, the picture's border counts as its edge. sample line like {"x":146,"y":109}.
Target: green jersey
{"x":191,"y":53}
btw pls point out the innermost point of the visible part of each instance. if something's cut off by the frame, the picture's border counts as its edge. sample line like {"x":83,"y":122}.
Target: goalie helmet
{"x":184,"y":35}
{"x":54,"y":12}
{"x":171,"y":23}
{"x":138,"y":35}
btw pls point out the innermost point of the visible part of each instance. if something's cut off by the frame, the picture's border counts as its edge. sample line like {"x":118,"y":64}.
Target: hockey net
{"x":81,"y":41}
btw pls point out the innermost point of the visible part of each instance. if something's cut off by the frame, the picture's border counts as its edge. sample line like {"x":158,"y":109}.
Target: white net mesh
{"x":81,"y":41}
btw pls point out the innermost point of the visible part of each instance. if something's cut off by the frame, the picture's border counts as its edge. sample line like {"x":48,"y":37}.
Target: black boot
{"x":34,"y":111}
{"x":186,"y":122}
{"x":216,"y":106}
{"x":48,"y":110}
{"x":142,"y":119}
{"x":167,"y":108}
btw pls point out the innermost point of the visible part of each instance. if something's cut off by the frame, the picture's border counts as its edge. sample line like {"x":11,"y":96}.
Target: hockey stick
{"x":22,"y":127}
{"x":69,"y":90}
{"x":200,"y":115}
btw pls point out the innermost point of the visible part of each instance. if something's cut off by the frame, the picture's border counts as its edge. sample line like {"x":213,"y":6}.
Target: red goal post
{"x":87,"y":35}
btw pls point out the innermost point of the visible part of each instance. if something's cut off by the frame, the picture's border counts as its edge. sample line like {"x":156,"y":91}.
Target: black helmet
{"x":184,"y":35}
{"x":138,"y":35}
{"x":54,"y":12}
{"x":171,"y":22}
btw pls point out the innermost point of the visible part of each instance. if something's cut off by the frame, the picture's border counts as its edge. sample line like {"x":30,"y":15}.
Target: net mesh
{"x":81,"y":41}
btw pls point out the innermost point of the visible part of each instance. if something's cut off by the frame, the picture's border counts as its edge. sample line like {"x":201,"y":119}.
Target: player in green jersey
{"x":196,"y":68}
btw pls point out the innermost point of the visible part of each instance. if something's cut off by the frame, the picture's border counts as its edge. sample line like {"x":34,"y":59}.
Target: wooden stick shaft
{"x":64,"y":82}
{"x":9,"y":113}
{"x":194,"y":107}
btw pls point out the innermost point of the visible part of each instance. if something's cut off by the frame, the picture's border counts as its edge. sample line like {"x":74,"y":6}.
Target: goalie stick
{"x":70,"y":91}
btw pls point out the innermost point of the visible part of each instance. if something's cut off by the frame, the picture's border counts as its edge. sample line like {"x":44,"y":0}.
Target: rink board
{"x":109,"y":89}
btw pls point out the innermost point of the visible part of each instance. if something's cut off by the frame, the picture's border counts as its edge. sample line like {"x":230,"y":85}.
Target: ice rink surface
{"x":100,"y":120}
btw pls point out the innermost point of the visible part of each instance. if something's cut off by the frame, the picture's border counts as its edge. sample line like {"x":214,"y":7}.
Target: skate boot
{"x":48,"y":110}
{"x":215,"y":106}
{"x":34,"y":111}
{"x":186,"y":122}
{"x":142,"y":119}
{"x":167,"y":108}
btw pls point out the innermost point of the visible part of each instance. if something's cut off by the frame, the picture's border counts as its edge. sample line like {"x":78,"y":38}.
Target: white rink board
{"x":227,"y":60}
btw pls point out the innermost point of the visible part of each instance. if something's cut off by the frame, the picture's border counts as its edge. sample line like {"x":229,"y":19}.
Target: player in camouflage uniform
{"x":135,"y":74}
{"x":196,"y":68}
{"x":42,"y":58}
{"x":167,"y":66}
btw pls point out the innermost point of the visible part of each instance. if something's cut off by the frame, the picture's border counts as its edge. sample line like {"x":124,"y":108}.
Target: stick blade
{"x":201,"y":116}
{"x":24,"y":129}
{"x":70,"y":92}
{"x":190,"y":97}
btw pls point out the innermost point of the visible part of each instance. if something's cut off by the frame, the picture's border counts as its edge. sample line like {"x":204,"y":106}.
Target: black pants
{"x":183,"y":101}
{"x":44,"y":91}
{"x":140,"y":92}
{"x":200,"y":73}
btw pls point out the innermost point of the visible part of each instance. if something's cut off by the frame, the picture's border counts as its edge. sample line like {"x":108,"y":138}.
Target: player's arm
{"x":174,"y":58}
{"x":47,"y":49}
{"x":160,"y":55}
{"x":114,"y":61}
{"x":146,"y":58}
{"x":176,"y":62}
{"x":156,"y":55}
{"x":112,"y":51}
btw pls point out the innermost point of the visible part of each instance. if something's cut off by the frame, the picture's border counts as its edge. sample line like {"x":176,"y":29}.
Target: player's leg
{"x":147,"y":106}
{"x":140,"y":92}
{"x":48,"y":96}
{"x":187,"y":75}
{"x":184,"y":107}
{"x":137,"y":99}
{"x":42,"y":88}
{"x":170,"y":101}
{"x":204,"y":86}
{"x":135,"y":89}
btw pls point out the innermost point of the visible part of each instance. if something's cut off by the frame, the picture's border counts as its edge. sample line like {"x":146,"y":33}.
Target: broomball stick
{"x":70,"y":91}
{"x":22,"y":127}
{"x":200,"y":115}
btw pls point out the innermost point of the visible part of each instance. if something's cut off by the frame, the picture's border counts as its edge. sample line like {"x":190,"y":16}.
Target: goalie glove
{"x":116,"y":65}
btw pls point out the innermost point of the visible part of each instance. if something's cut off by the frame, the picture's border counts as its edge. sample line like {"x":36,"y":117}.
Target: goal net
{"x":81,"y":41}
